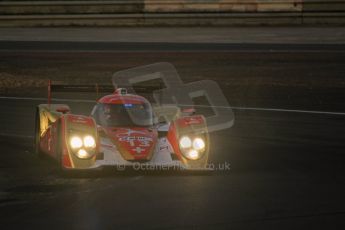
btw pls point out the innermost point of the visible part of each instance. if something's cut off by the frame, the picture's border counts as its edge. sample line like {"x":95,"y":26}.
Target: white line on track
{"x":231,"y":107}
{"x":172,"y":50}
{"x":289,"y":110}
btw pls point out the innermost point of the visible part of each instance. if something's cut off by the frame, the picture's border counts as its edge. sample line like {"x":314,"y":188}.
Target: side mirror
{"x":100,"y":131}
{"x":166,"y":113}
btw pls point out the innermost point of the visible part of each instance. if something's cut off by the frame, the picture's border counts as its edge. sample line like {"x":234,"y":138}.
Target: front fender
{"x":81,"y":126}
{"x":193,"y":126}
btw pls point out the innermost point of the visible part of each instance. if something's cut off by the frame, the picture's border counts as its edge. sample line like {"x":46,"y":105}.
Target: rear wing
{"x":96,"y":88}
{"x":78,"y":89}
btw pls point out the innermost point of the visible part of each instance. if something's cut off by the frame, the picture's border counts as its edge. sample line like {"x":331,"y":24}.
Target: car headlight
{"x":76,"y":142}
{"x":192,"y":149}
{"x":192,"y":154}
{"x":83,"y":154}
{"x":198,"y":144}
{"x":83,"y":146}
{"x":185,"y":142}
{"x":89,"y":142}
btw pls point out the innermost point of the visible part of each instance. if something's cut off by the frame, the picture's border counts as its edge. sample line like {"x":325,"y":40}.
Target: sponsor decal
{"x":137,"y":142}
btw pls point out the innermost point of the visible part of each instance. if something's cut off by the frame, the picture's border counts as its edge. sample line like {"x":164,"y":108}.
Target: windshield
{"x":123,"y":114}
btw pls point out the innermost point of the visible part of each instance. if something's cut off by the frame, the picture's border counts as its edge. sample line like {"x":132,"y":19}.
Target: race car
{"x":122,"y":130}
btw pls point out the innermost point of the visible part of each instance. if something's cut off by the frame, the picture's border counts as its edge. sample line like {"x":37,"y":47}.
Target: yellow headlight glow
{"x":198,"y":144}
{"x":82,"y":153}
{"x":185,"y":142}
{"x":193,"y":154}
{"x":76,"y":142}
{"x":89,"y":142}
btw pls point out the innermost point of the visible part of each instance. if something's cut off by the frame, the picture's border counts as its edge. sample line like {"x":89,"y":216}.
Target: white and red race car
{"x":123,"y":130}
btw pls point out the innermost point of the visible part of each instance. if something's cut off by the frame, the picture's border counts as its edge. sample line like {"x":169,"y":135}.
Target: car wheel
{"x":37,"y":140}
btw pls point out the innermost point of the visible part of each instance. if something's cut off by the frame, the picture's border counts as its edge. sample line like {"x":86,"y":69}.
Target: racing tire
{"x":58,"y":149}
{"x":37,"y":138}
{"x":61,"y":170}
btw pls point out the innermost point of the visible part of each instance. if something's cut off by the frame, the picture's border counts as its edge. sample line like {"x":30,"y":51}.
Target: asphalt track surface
{"x":160,"y":46}
{"x":286,"y":167}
